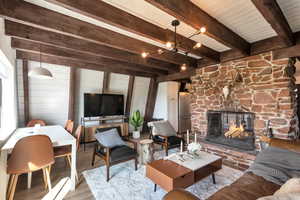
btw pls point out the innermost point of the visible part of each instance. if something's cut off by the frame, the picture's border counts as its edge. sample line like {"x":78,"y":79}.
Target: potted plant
{"x":136,"y":120}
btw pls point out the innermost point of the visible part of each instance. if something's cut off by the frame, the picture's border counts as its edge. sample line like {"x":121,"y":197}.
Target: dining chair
{"x":33,"y":122}
{"x":30,"y":154}
{"x":66,"y":151}
{"x":69,"y":126}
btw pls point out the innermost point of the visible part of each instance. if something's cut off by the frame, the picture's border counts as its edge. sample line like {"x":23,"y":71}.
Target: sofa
{"x":247,"y":187}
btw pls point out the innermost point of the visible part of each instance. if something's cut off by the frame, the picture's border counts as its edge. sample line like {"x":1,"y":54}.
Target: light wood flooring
{"x":59,"y":170}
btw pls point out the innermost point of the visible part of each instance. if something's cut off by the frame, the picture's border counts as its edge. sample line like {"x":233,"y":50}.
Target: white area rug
{"x":127,"y":184}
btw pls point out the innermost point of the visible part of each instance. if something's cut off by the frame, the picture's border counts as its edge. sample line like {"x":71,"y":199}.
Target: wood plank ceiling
{"x":110,"y":35}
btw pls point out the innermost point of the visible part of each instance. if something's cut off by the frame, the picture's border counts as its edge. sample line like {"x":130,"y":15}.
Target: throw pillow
{"x":164,"y":128}
{"x":109,"y":138}
{"x":291,"y":186}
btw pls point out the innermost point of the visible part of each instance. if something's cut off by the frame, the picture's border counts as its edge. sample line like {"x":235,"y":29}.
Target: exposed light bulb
{"x":197,"y":45}
{"x":160,"y":51}
{"x":145,"y":54}
{"x":169,"y":44}
{"x":202,"y":29}
{"x":183,"y":67}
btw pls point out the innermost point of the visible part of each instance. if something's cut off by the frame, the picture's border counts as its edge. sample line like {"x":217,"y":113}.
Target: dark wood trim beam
{"x":79,"y":64}
{"x":35,"y":47}
{"x":28,"y":13}
{"x":26,"y":90}
{"x":106,"y":81}
{"x":194,"y":16}
{"x":103,"y":11}
{"x":151,"y":99}
{"x":177,"y":76}
{"x":59,"y":40}
{"x":129,"y":95}
{"x":72,"y":93}
{"x":288,"y":52}
{"x":274,"y":16}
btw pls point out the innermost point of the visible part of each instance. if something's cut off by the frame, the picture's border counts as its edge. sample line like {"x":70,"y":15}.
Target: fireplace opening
{"x":231,"y":129}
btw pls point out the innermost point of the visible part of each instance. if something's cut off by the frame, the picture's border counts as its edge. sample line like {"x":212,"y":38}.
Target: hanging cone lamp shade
{"x":40,"y":72}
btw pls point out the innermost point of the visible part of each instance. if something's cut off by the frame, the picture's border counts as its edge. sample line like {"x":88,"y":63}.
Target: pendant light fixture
{"x":173,"y":46}
{"x":40,"y":72}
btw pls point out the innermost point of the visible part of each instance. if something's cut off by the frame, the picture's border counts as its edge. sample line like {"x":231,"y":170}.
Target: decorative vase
{"x":136,"y":134}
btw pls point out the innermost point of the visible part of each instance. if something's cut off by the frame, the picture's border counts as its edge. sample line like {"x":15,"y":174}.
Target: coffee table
{"x":171,"y":172}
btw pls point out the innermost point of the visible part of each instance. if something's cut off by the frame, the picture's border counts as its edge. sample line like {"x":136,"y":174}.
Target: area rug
{"x":127,"y":184}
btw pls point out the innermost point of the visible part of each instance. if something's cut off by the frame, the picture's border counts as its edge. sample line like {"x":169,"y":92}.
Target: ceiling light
{"x":40,"y":72}
{"x":169,"y":45}
{"x":183,"y":67}
{"x":145,"y":54}
{"x":160,"y":51}
{"x":197,"y":45}
{"x":202,"y":29}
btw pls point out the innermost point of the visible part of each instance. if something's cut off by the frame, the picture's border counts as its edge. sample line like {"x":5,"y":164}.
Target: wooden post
{"x":106,"y":79}
{"x":72,"y":93}
{"x":151,"y":99}
{"x":26,"y":91}
{"x":129,"y":94}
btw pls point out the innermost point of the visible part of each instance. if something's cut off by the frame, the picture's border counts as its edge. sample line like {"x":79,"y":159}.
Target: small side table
{"x":144,"y":149}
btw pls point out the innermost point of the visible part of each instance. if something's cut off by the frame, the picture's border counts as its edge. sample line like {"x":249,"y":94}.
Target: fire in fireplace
{"x":232,"y":129}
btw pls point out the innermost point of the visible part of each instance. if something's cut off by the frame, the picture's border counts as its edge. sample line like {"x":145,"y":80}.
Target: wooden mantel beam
{"x":30,"y":46}
{"x":103,"y":11}
{"x":34,"y":15}
{"x":79,"y":64}
{"x":59,"y":40}
{"x":194,"y":16}
{"x":177,"y":76}
{"x":274,"y":16}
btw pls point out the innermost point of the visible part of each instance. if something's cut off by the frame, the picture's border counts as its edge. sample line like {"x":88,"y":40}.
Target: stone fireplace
{"x":258,"y":86}
{"x":231,"y":129}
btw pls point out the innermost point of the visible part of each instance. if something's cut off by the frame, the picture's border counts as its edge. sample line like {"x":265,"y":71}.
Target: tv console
{"x":91,"y":124}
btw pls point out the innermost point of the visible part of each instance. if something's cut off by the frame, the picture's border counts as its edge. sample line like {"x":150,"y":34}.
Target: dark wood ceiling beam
{"x":35,"y":47}
{"x":192,"y":15}
{"x":274,"y":16}
{"x":177,"y":76}
{"x":59,"y":40}
{"x":79,"y":64}
{"x":103,"y":11}
{"x":25,"y":12}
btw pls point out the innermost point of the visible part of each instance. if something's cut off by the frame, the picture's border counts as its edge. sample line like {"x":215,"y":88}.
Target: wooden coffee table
{"x":173,"y":173}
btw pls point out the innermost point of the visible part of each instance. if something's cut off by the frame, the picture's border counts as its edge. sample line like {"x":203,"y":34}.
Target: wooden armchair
{"x":115,"y":155}
{"x":167,"y":142}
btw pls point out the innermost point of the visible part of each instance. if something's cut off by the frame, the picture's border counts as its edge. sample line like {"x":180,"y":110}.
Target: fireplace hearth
{"x":231,"y":129}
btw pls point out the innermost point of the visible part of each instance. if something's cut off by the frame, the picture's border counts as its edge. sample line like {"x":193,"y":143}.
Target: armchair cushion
{"x":120,"y":153}
{"x":172,"y":140}
{"x":109,"y":138}
{"x":163,"y":128}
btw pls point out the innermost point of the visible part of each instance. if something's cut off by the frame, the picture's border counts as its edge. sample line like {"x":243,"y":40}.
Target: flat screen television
{"x":103,"y":105}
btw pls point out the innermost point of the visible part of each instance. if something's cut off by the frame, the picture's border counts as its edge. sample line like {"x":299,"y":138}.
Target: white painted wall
{"x":166,"y":106}
{"x":8,"y":76}
{"x":119,"y":85}
{"x":140,"y":94}
{"x":88,"y":81}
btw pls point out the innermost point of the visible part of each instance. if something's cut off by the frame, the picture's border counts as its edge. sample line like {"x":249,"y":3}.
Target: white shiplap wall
{"x":88,"y":81}
{"x":119,"y":84}
{"x":48,"y":99}
{"x":140,"y":94}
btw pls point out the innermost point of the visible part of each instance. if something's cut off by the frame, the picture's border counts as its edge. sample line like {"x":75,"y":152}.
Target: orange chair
{"x":69,"y":126}
{"x":33,"y":122}
{"x":66,"y":151}
{"x":30,"y":154}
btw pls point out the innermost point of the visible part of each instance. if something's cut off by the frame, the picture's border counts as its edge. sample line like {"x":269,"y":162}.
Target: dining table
{"x":58,"y":136}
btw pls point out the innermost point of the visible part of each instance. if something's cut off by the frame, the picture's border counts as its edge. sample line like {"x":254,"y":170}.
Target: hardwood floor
{"x":59,"y":170}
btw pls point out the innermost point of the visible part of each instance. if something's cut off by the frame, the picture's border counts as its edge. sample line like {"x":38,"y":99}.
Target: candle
{"x":188,"y":137}
{"x":195,"y":138}
{"x":181,"y":146}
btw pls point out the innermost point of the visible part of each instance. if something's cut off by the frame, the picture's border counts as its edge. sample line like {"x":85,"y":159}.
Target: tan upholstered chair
{"x":30,"y":154}
{"x":33,"y":122}
{"x":69,"y":126}
{"x":66,"y":151}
